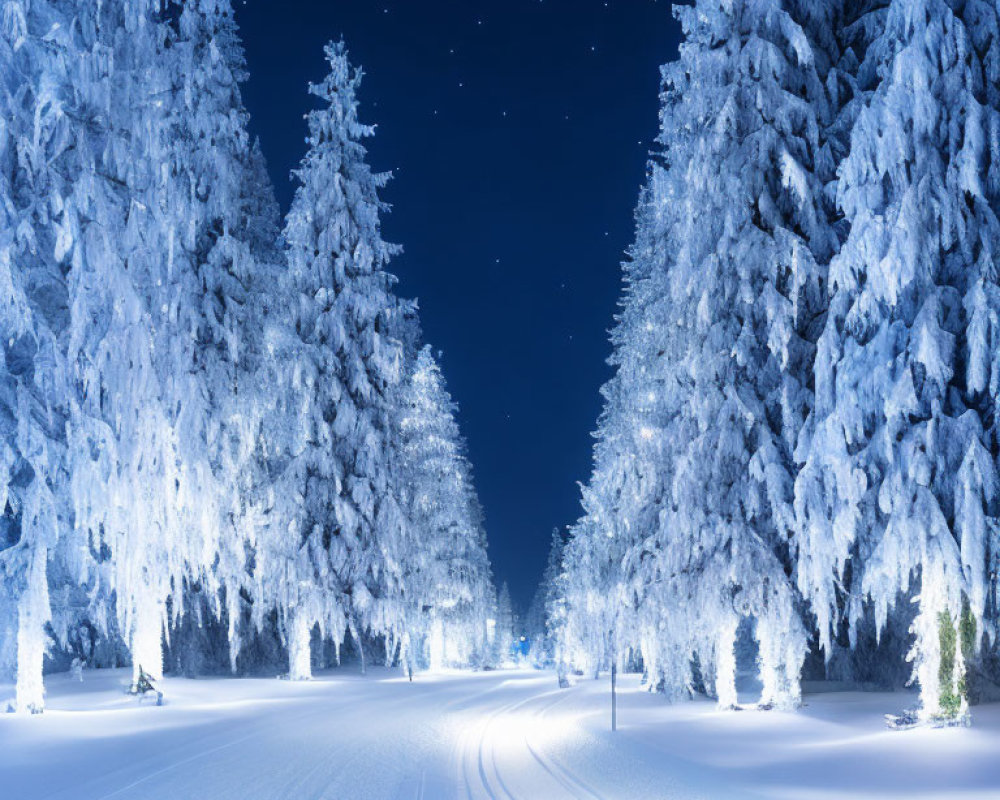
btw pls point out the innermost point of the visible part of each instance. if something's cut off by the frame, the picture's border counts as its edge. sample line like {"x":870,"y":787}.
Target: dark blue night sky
{"x":518,"y":132}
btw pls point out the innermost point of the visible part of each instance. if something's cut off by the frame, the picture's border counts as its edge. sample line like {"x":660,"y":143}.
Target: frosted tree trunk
{"x":147,"y":639}
{"x":299,"y":654}
{"x":781,"y":689}
{"x":234,"y":636}
{"x":406,"y":654}
{"x":562,"y":674}
{"x":647,"y":649}
{"x":939,"y":666}
{"x":926,"y":655}
{"x":390,"y":649}
{"x":436,"y":655}
{"x":725,"y":665}
{"x":33,"y":613}
{"x":361,"y":648}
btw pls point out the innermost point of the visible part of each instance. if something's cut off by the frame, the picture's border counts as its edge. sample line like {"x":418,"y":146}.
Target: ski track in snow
{"x":508,"y":735}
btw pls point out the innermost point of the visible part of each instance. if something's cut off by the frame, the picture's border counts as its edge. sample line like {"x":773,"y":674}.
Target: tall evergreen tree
{"x":901,"y":490}
{"x":134,"y":493}
{"x":505,"y":624}
{"x":590,"y":586}
{"x":36,"y":161}
{"x":747,"y":97}
{"x":163,"y":304}
{"x":322,"y":562}
{"x":226,"y":222}
{"x":447,"y":569}
{"x":543,"y":605}
{"x":632,"y":470}
{"x":694,"y":467}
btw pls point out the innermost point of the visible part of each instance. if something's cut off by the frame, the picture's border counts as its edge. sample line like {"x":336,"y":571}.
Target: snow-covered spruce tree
{"x":504,"y":624}
{"x":142,"y":478}
{"x":36,"y":160}
{"x":632,"y":470}
{"x":557,"y":619}
{"x":170,"y":250}
{"x":609,"y":594}
{"x":400,"y":596}
{"x":125,"y":469}
{"x":590,"y":587}
{"x":447,"y":570}
{"x":544,"y":603}
{"x":604,"y":580}
{"x":225,"y":240}
{"x":321,"y":562}
{"x":745,"y":109}
{"x":691,"y":490}
{"x":901,"y":491}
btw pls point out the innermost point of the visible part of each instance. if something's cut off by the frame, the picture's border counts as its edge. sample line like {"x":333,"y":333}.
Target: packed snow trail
{"x":505,"y":735}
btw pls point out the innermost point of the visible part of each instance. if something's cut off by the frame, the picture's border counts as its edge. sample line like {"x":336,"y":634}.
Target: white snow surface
{"x":505,"y":734}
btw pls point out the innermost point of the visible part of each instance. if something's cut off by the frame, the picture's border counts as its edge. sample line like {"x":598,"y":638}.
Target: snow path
{"x":502,"y":735}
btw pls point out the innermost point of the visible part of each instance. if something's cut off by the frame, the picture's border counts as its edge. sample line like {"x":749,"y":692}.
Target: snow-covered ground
{"x":508,"y":734}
